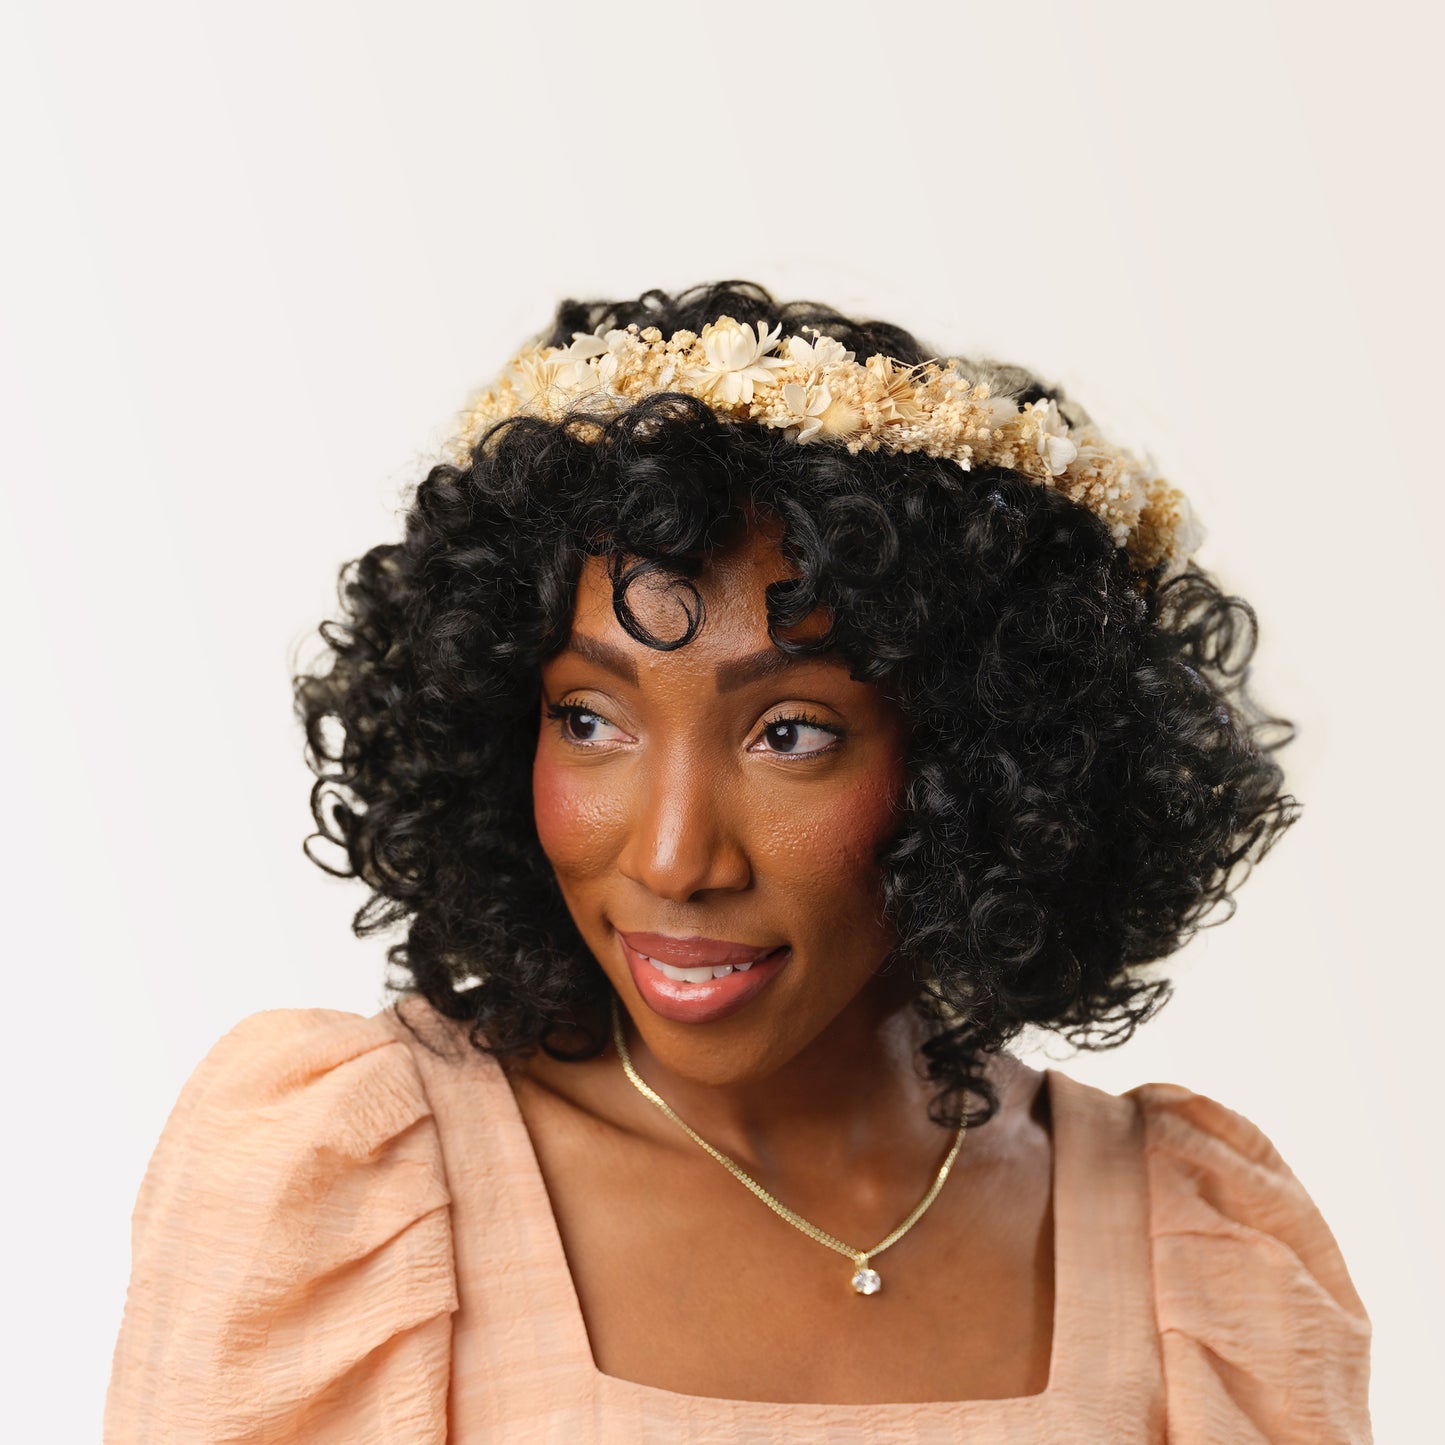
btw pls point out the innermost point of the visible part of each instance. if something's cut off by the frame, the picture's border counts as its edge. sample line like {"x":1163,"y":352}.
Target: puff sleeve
{"x":292,"y":1273}
{"x":1264,"y":1338}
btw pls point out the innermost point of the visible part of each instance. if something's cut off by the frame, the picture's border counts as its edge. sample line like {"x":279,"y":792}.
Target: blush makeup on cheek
{"x":552,"y":809}
{"x":868,"y":814}
{"x":845,"y":834}
{"x":570,"y":826}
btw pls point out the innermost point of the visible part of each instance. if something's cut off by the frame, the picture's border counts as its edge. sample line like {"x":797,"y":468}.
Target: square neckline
{"x":1066,"y":1337}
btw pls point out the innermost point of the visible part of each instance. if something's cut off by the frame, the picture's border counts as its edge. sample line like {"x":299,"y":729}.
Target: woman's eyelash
{"x":564,"y":711}
{"x":807,"y":719}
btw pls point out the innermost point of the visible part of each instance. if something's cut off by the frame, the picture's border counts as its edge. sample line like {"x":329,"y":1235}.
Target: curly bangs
{"x":1088,"y":777}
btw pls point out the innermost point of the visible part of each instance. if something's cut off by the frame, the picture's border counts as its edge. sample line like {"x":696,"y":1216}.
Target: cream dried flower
{"x":533,"y":378}
{"x":613,"y":353}
{"x":1052,"y":441}
{"x":816,"y":356}
{"x":736,"y":359}
{"x":551,"y":379}
{"x":806,"y":405}
{"x":587,"y":344}
{"x":892,"y":387}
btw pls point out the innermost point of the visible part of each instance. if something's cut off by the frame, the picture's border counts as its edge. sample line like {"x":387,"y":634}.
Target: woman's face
{"x":719,"y":792}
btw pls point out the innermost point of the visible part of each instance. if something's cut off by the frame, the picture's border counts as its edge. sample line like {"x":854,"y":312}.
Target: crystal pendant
{"x":866,"y":1280}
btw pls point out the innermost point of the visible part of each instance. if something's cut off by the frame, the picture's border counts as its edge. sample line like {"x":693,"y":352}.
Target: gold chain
{"x":865,"y":1280}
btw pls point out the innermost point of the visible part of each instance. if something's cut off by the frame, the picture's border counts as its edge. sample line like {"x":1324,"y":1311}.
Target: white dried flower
{"x":806,"y":405}
{"x":816,"y":356}
{"x":736,"y":359}
{"x":1052,"y":441}
{"x":586,"y":344}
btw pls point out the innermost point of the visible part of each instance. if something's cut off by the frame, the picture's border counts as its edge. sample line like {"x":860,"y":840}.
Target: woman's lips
{"x":695,"y":952}
{"x":695,"y":1003}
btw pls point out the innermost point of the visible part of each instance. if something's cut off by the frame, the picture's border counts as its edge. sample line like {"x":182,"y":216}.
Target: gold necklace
{"x":865,"y":1279}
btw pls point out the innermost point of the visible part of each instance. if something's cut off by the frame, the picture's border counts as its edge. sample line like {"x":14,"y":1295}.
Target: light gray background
{"x":255,"y":257}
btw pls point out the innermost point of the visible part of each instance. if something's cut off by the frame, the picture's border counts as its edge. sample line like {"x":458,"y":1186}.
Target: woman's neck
{"x":853,"y":1096}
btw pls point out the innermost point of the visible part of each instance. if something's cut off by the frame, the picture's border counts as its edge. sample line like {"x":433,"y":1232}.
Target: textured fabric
{"x":343,"y":1236}
{"x":291,"y":1272}
{"x":1264,"y":1337}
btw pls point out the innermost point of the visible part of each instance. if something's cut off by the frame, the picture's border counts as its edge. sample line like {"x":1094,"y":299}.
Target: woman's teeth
{"x":696,"y":975}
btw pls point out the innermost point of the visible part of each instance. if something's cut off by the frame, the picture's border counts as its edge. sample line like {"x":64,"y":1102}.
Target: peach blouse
{"x":344,"y":1239}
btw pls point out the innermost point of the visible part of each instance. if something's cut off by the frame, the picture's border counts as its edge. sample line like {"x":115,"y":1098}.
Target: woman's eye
{"x":795,"y":737}
{"x":578,"y":724}
{"x":799,"y":736}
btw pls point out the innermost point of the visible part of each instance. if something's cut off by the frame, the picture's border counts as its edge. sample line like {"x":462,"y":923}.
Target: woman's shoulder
{"x":293,"y":1054}
{"x":1263,"y":1333}
{"x":1214,"y":1173}
{"x":292,"y":1272}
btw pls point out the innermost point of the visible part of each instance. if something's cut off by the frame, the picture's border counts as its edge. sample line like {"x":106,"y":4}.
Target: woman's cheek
{"x":572,"y":820}
{"x":857,"y":818}
{"x":836,"y":838}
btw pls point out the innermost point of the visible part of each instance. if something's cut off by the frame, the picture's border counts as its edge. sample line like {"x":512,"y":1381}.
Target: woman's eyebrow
{"x":604,"y":655}
{"x":769,"y":661}
{"x":730,"y":675}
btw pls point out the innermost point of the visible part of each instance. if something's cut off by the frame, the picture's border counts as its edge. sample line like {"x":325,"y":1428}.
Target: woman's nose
{"x":681,"y":835}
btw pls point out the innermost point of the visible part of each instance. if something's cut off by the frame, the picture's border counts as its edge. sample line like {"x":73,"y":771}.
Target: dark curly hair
{"x":1088,"y":778}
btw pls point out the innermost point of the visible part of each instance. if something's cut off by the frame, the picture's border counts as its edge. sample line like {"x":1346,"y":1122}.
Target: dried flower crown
{"x":816,"y":390}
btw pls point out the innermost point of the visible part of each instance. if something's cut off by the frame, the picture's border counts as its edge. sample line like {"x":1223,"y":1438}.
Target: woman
{"x":759,"y":725}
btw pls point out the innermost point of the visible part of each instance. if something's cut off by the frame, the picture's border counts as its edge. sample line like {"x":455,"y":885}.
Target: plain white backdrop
{"x":256,"y":255}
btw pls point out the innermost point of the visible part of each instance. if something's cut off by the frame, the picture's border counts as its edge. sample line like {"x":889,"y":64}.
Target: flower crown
{"x":815,"y":390}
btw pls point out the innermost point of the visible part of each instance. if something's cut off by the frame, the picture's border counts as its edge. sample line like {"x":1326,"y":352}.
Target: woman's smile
{"x":703,"y":994}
